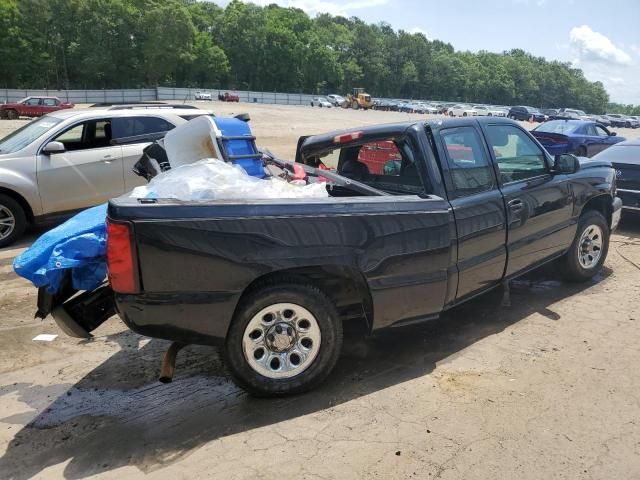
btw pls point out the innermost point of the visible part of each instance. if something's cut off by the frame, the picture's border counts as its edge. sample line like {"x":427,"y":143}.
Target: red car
{"x":32,"y":107}
{"x":228,"y":97}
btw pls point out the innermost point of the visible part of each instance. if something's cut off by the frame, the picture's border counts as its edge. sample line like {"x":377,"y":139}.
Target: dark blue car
{"x":581,"y":137}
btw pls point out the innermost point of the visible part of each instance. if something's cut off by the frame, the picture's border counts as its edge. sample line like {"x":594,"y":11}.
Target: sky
{"x":601,"y":38}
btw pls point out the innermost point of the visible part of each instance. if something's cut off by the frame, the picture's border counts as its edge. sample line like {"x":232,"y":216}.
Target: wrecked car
{"x":463,"y":206}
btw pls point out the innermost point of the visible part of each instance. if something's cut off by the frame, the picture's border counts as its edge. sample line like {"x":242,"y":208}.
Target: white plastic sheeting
{"x":213,"y":179}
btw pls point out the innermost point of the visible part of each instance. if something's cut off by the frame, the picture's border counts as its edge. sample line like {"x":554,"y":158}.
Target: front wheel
{"x":284,"y":339}
{"x":589,"y":248}
{"x":13,"y":220}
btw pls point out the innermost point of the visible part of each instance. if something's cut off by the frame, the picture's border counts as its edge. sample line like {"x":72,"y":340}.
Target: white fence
{"x":150,"y":94}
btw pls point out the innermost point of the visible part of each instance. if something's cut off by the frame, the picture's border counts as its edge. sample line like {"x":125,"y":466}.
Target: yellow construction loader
{"x":358,"y":99}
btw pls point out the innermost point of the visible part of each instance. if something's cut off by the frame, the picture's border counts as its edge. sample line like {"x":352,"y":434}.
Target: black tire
{"x":10,"y":208}
{"x":3,"y":114}
{"x":489,"y":114}
{"x":326,"y":318}
{"x":581,"y":151}
{"x":574,"y":270}
{"x":355,"y":105}
{"x":464,"y":114}
{"x":12,"y":115}
{"x":451,"y":114}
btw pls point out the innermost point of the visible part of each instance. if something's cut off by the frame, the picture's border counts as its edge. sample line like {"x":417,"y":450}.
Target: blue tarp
{"x":78,"y":244}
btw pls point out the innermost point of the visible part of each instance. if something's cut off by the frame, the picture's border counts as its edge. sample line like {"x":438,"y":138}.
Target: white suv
{"x":73,"y":159}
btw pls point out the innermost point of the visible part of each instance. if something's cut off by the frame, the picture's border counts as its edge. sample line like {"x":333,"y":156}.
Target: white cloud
{"x":595,"y":47}
{"x":321,"y":6}
{"x":601,"y":60}
{"x":420,"y":30}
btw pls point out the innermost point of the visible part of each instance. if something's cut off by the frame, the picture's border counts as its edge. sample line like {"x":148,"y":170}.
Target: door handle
{"x":107,"y":159}
{"x":516,"y":205}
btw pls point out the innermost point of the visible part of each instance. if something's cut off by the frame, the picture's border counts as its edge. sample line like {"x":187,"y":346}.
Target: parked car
{"x":622,"y":121}
{"x":488,"y":111}
{"x":580,"y":137}
{"x":228,"y":97}
{"x":473,"y":204}
{"x":526,"y":114}
{"x":32,"y":107}
{"x":462,"y":111}
{"x":203,"y":96}
{"x":73,"y":159}
{"x":602,"y":120}
{"x":549,"y":112}
{"x":320,"y":102}
{"x":335,"y":100}
{"x":625,"y":157}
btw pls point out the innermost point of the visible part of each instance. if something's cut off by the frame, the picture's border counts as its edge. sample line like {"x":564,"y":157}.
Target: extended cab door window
{"x":517,"y":156}
{"x":468,"y":164}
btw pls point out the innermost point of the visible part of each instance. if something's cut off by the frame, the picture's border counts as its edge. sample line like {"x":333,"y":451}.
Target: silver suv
{"x":74,"y":159}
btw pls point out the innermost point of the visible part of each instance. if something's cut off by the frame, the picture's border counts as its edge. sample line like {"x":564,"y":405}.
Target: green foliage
{"x":133,"y":43}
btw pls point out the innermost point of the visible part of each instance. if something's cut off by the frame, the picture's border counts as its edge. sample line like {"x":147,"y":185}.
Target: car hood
{"x":593,"y":163}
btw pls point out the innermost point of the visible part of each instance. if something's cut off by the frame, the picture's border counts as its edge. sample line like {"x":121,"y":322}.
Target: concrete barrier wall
{"x":151,"y":94}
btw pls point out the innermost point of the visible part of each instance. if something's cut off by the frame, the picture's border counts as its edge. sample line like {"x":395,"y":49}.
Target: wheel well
{"x":345,"y":286}
{"x":20,"y":199}
{"x":602,"y":204}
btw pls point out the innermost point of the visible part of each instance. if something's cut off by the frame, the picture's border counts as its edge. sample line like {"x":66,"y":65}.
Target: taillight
{"x":120,"y":259}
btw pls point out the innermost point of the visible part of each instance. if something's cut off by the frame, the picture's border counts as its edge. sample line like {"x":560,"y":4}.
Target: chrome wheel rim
{"x":281,"y":340}
{"x":7,"y":222}
{"x":590,"y":246}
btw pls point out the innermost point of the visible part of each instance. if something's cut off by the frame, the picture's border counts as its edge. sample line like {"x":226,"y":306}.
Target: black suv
{"x":525,"y":113}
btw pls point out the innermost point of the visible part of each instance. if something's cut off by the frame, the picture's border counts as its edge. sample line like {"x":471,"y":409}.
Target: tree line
{"x":95,"y":44}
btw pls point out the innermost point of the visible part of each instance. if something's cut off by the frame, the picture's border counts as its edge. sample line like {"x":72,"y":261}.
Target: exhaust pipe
{"x":169,"y":362}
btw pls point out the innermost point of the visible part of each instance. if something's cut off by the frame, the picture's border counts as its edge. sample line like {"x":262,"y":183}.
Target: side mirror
{"x":566,"y":163}
{"x":613,"y":134}
{"x":54,"y":147}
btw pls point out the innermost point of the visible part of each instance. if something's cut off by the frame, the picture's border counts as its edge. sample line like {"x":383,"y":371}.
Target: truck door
{"x":539,"y":204}
{"x":478,"y":208}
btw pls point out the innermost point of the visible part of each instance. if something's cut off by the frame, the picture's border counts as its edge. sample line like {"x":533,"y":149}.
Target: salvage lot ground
{"x":546,"y":388}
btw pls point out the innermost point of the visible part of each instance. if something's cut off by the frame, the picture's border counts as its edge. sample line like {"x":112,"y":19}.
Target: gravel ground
{"x":546,"y":388}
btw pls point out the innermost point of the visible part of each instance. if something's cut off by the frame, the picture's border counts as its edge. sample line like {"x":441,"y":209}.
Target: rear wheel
{"x":464,"y":114}
{"x":589,"y":248}
{"x":451,"y":114}
{"x":13,"y":220}
{"x":284,"y":339}
{"x":3,"y":114}
{"x":12,"y":115}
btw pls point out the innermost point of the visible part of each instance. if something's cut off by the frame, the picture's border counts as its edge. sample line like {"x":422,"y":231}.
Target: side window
{"x":134,"y":126}
{"x":469,"y":167}
{"x":601,"y":131}
{"x":518,"y":157}
{"x":49,"y":102}
{"x":87,"y":135}
{"x":33,"y":101}
{"x":590,"y":130}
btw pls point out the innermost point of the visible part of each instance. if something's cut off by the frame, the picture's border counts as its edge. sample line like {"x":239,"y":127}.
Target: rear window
{"x":132,"y":126}
{"x":556,"y":126}
{"x":387,"y":164}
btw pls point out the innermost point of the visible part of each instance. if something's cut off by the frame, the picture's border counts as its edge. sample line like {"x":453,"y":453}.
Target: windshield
{"x":556,"y":126}
{"x":26,"y":135}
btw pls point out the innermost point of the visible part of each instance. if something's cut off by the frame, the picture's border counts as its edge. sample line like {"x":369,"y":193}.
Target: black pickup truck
{"x":432,"y":214}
